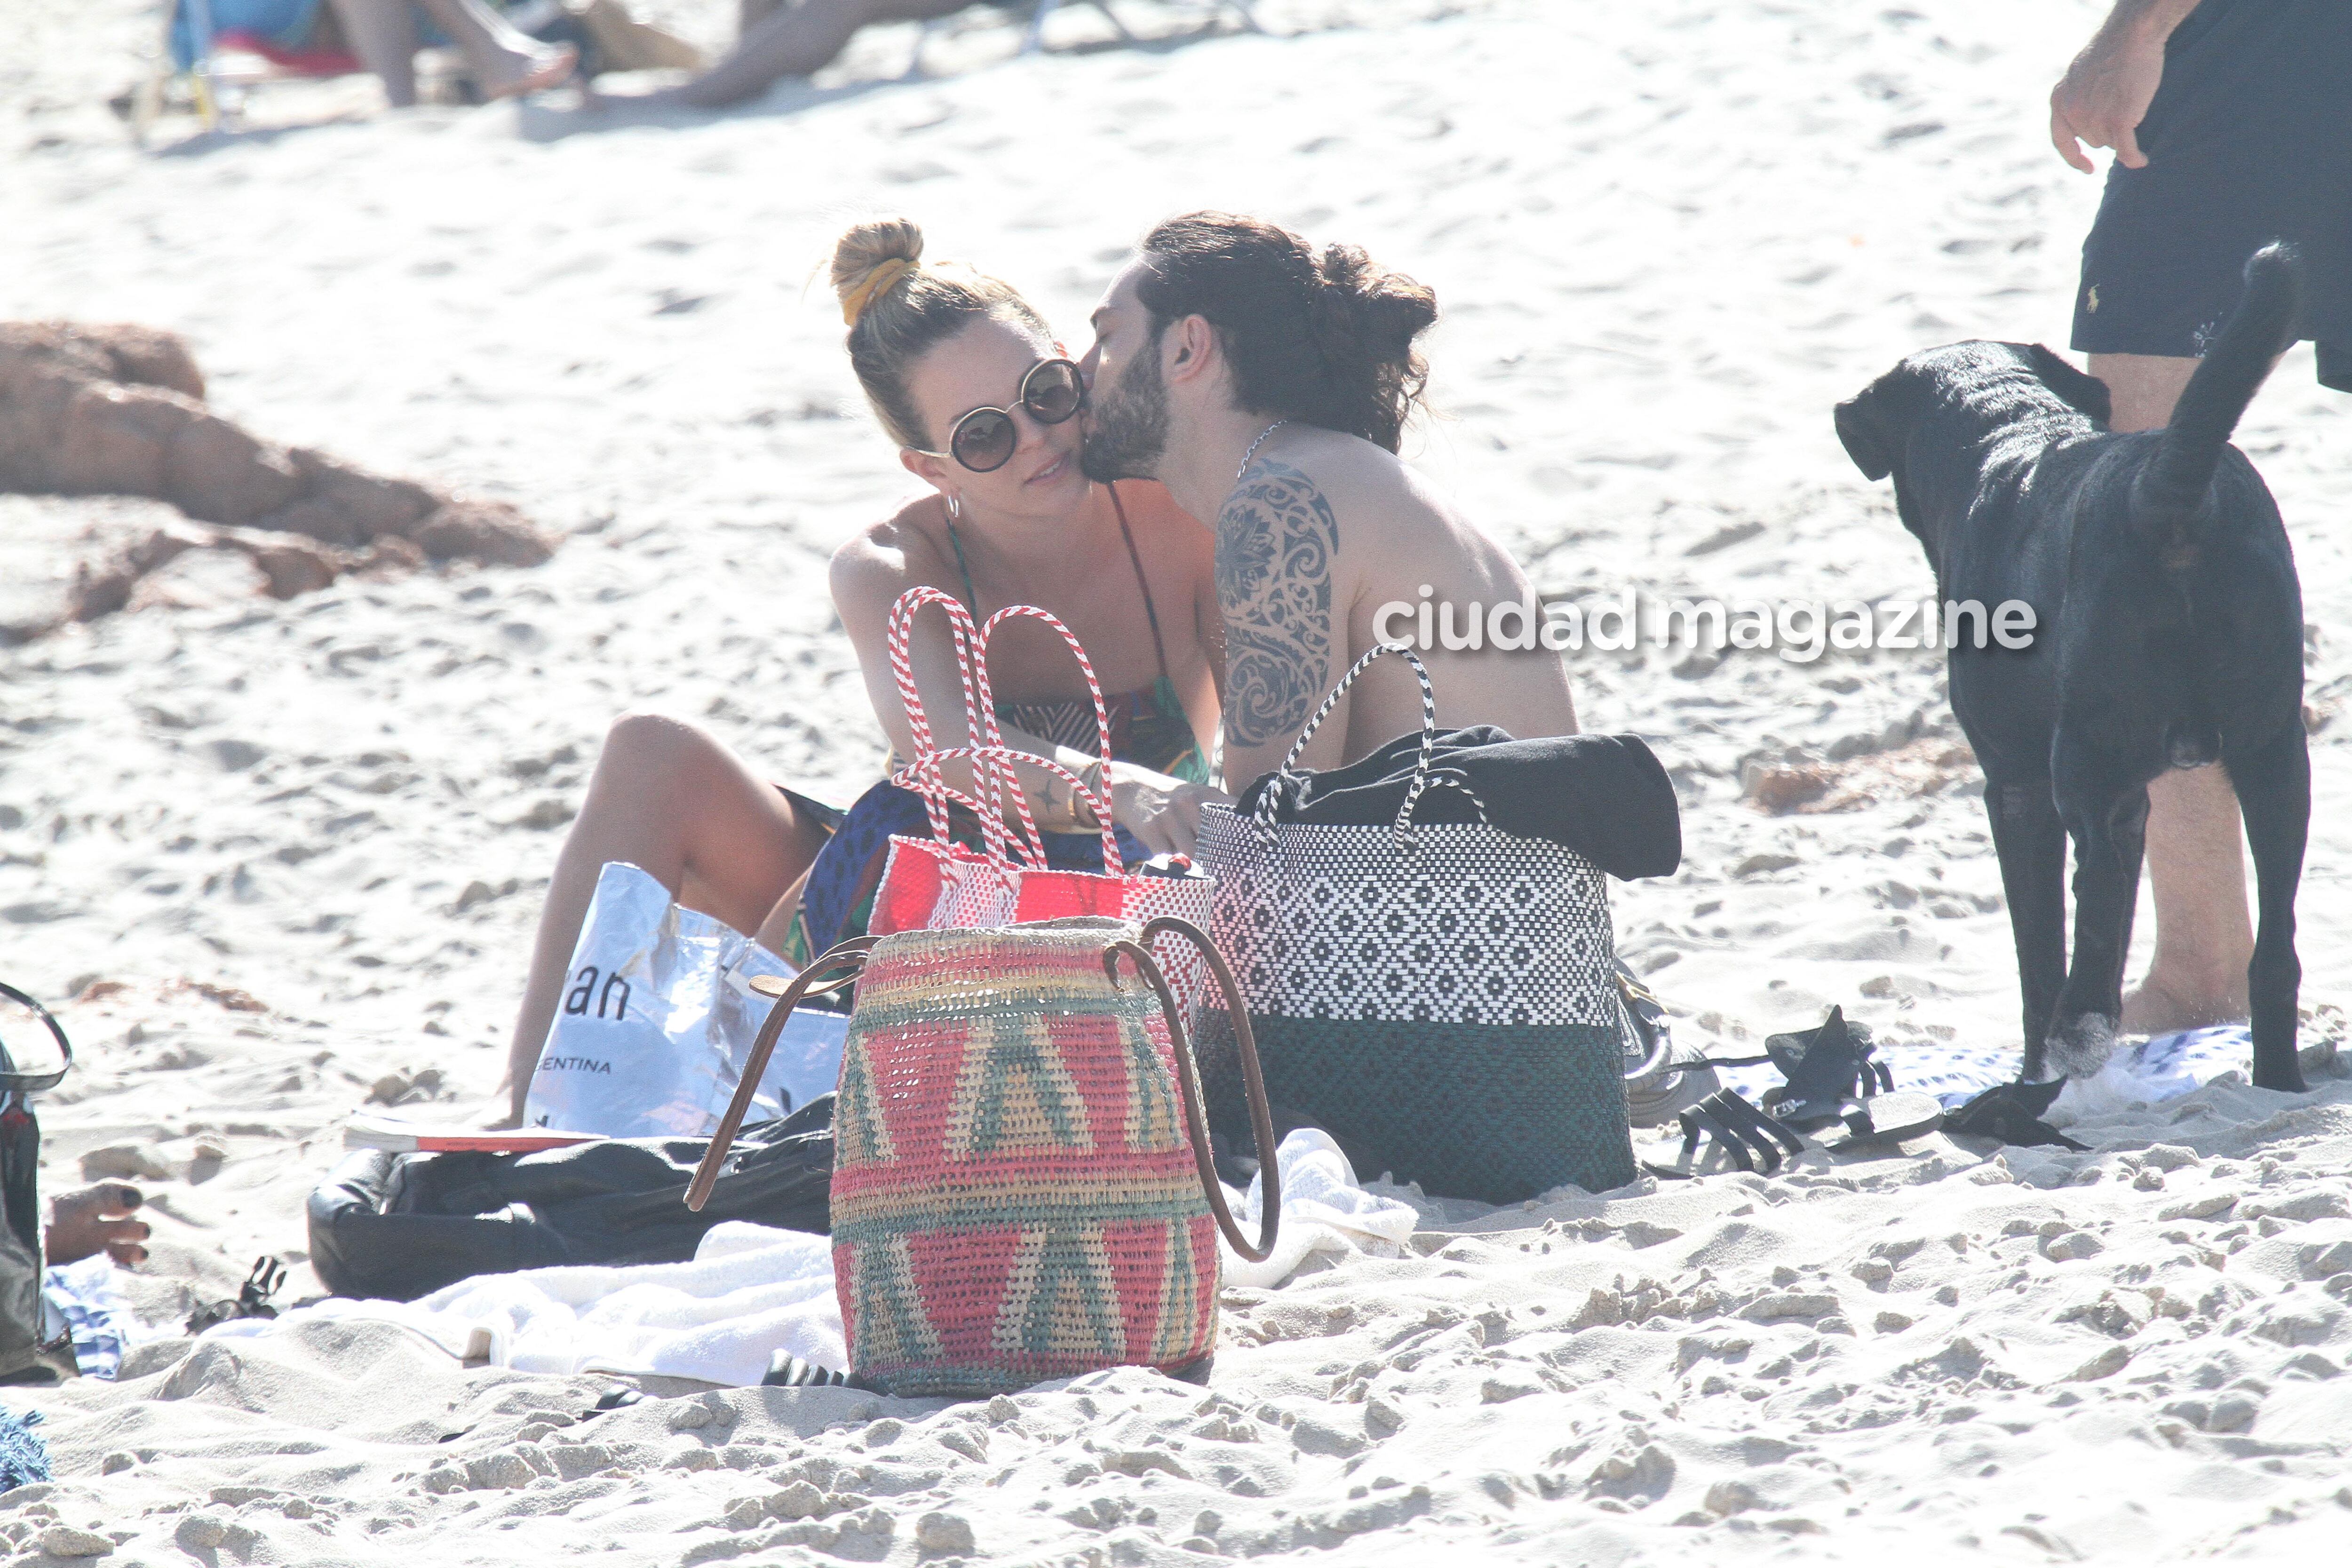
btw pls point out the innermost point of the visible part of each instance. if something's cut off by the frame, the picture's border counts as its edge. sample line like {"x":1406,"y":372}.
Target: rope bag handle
{"x":1286,"y":782}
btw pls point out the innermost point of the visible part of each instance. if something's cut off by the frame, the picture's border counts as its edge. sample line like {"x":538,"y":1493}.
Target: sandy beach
{"x":289,"y":854}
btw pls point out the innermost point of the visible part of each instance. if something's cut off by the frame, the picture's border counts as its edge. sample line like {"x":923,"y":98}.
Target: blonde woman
{"x":968,"y":382}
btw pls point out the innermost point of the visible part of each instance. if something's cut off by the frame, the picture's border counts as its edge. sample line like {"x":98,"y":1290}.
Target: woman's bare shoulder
{"x":886,"y":558}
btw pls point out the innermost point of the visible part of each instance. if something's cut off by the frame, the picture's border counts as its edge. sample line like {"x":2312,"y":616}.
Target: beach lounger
{"x":226,"y":64}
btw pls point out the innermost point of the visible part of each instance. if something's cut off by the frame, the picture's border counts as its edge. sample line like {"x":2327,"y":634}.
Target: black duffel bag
{"x":398,"y":1226}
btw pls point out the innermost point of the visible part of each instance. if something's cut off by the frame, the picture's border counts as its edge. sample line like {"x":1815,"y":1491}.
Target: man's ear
{"x":1189,"y":349}
{"x":1864,"y":431}
{"x":2087,"y":393}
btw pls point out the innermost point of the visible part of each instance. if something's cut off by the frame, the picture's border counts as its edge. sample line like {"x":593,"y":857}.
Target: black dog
{"x":2170,"y":634}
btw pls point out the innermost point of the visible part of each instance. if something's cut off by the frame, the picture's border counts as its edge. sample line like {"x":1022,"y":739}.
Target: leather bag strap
{"x":1196,"y":1120}
{"x":847,"y":956}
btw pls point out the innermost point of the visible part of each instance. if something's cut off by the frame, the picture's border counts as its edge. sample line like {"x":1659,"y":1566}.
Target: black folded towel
{"x":1604,"y":797}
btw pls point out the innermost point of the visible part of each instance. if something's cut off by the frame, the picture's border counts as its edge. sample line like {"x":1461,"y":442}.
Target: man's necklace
{"x":1254,"y":446}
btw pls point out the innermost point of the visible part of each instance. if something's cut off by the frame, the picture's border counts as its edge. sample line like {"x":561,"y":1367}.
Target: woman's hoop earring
{"x":955,"y":507}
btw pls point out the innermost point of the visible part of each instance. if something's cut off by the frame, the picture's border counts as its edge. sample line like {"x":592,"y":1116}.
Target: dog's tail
{"x":2172,"y":488}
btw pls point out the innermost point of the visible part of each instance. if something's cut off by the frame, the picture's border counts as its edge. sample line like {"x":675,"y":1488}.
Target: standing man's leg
{"x":2195,"y":859}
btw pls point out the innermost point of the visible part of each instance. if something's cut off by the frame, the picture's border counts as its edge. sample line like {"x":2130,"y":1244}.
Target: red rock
{"x":146,"y":356}
{"x":117,"y":440}
{"x":294,"y":566}
{"x":490,"y":532}
{"x":218,"y":473}
{"x":347,"y":505}
{"x":390,"y":556}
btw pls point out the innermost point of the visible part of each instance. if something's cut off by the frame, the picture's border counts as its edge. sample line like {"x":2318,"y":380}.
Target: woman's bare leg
{"x":798,"y":40}
{"x":383,"y":34}
{"x":669,"y":799}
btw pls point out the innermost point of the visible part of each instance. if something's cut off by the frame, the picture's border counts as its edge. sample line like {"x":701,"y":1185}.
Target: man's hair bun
{"x":1325,"y":340}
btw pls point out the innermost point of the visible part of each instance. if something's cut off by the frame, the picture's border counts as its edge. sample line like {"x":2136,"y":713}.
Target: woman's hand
{"x":1163,"y":812}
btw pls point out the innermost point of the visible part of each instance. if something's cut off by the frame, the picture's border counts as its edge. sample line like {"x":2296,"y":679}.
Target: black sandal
{"x":2012,"y":1112}
{"x":1748,"y":1136}
{"x":786,"y":1370}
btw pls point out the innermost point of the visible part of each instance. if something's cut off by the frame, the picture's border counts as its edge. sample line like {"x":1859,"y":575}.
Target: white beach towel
{"x":752,"y":1290}
{"x":1324,"y":1209}
{"x":2149,"y":1071}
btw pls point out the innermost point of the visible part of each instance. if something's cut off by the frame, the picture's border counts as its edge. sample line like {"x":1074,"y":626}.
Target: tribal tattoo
{"x":1276,"y":542}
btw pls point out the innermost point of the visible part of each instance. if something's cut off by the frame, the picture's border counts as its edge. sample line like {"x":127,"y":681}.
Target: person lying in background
{"x":383,"y":36}
{"x":966,"y":379}
{"x":1267,"y":386}
{"x":777,"y":38}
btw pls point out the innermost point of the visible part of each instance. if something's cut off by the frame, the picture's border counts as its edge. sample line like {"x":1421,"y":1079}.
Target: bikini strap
{"x":969,"y":592}
{"x":1150,"y":612}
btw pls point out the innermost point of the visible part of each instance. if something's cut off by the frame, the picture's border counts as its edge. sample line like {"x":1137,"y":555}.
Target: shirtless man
{"x":1267,"y":387}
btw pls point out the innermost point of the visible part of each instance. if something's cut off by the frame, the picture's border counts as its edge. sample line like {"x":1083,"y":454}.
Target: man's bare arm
{"x":1278,"y":540}
{"x":2106,"y":92}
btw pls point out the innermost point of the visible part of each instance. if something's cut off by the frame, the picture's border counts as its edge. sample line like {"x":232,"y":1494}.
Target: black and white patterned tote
{"x":1439,"y":997}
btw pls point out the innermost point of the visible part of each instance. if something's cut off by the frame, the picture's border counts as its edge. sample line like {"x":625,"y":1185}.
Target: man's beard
{"x":1127,"y":432}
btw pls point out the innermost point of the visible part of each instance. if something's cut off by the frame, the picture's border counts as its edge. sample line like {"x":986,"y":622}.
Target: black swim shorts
{"x":2249,"y":140}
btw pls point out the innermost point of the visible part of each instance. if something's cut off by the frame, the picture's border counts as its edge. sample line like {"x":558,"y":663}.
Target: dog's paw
{"x":2079,"y":1049}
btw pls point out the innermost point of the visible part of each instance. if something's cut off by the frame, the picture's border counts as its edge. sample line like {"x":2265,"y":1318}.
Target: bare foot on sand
{"x":519,"y":71}
{"x":96,"y":1219}
{"x":2162,"y":1005}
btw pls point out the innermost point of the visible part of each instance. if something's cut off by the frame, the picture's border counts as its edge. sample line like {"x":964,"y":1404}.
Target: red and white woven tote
{"x":937,"y":884}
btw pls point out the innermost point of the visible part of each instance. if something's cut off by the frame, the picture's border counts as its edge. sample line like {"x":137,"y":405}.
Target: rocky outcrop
{"x":120,"y":410}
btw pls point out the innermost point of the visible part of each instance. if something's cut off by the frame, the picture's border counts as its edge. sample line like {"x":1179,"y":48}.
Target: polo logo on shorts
{"x":2091,"y":300}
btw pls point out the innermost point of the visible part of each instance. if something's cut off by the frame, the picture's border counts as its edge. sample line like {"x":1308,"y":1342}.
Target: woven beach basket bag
{"x":1022,"y":1187}
{"x":1440,"y":997}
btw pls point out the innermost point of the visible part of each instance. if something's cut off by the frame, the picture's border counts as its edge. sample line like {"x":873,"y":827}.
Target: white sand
{"x":1667,"y":239}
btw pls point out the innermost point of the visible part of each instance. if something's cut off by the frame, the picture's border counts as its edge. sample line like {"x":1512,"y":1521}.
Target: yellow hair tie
{"x":877,"y":282}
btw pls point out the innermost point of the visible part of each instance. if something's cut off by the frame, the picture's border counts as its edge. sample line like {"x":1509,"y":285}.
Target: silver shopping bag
{"x":656,"y":1020}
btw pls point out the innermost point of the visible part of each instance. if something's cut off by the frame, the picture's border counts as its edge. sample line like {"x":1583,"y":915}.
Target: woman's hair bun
{"x":897,"y":310}
{"x":893,"y":242}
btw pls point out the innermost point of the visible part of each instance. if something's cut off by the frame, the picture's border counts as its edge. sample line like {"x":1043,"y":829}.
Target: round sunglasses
{"x":984,"y":440}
